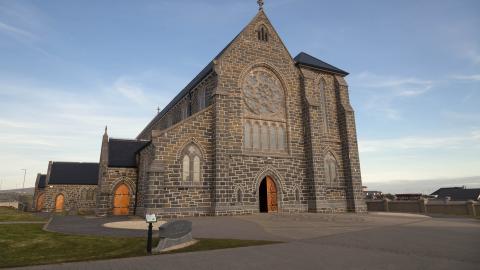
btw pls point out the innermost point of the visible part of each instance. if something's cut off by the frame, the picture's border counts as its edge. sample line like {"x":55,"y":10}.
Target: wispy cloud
{"x":398,"y":86}
{"x":415,"y":143}
{"x":15,"y":31}
{"x":384,"y":90}
{"x":131,"y":91}
{"x":473,"y":77}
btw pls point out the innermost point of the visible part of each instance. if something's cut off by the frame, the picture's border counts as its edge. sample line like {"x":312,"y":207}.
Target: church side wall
{"x":73,"y":200}
{"x":166,"y":193}
{"x":191,"y":102}
{"x":321,"y":105}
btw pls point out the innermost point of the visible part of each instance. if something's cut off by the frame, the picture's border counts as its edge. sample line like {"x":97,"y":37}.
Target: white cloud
{"x":397,"y":86}
{"x":416,"y":143}
{"x":474,"y":77}
{"x":15,"y":31}
{"x":131,"y":91}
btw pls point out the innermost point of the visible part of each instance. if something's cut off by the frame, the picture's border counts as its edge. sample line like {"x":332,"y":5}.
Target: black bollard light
{"x":150,"y":219}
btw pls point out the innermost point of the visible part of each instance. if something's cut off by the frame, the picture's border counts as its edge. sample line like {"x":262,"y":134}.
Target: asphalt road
{"x":324,"y":242}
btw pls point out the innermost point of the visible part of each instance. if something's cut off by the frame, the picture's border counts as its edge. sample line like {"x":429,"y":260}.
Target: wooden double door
{"x":268,"y":195}
{"x":121,"y":200}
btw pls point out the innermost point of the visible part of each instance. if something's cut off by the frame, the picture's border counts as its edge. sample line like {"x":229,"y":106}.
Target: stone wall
{"x":73,"y":199}
{"x":424,"y":206}
{"x":166,"y":193}
{"x":111,"y":178}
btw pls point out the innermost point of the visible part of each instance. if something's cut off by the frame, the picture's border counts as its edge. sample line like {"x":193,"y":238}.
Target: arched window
{"x":247,"y":136}
{"x":256,"y":136}
{"x":186,"y":168}
{"x":262,"y":33}
{"x":196,"y":169}
{"x":281,"y":139}
{"x":83,"y":195}
{"x":90,"y":195}
{"x":330,"y":164}
{"x":239,"y":196}
{"x":201,"y":99}
{"x":265,"y":143}
{"x":297,"y":195}
{"x":191,"y":163}
{"x":273,"y":138}
{"x":323,"y":98}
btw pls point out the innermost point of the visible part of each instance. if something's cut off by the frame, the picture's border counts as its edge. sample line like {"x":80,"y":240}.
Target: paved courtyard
{"x":311,"y":241}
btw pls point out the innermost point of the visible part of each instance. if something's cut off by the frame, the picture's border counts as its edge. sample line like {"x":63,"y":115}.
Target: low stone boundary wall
{"x":425,"y":206}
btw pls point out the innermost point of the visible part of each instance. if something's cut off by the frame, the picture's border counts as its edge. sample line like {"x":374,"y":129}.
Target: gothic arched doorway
{"x":267,"y":195}
{"x":40,"y":199}
{"x":59,"y":202}
{"x":121,"y":200}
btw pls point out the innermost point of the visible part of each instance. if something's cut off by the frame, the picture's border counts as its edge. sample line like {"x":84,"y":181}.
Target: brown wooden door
{"x":59,"y":202}
{"x":271,"y":195}
{"x":40,"y":199}
{"x":121,"y":200}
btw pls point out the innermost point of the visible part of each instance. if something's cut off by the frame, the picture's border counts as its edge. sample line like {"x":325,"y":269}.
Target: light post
{"x":24,"y":174}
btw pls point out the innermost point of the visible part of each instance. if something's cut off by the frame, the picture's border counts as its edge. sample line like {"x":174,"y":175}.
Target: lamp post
{"x":24,"y":174}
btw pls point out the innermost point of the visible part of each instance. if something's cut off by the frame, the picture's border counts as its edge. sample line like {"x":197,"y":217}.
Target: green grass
{"x":28,"y":244}
{"x":11,"y":214}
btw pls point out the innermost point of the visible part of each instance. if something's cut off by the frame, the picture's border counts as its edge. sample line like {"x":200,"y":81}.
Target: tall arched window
{"x":191,"y":163}
{"x":281,"y":138}
{"x":265,"y":144}
{"x":186,"y":168}
{"x":273,"y":138}
{"x":201,"y":99}
{"x":323,"y":102}
{"x":239,"y":196}
{"x":196,"y":169}
{"x":262,"y":33}
{"x":83,"y":195}
{"x":256,"y":136}
{"x":247,"y":136}
{"x":330,"y":164}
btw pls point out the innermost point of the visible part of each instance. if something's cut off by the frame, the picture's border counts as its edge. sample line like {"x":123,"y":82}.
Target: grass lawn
{"x":12,"y":214}
{"x":28,"y":244}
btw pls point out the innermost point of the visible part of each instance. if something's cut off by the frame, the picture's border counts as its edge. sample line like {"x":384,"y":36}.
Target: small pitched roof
{"x":458,"y":193}
{"x":310,"y":61}
{"x":41,"y":180}
{"x":73,"y":173}
{"x":122,"y":152}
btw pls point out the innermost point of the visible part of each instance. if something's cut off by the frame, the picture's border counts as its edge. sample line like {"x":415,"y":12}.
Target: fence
{"x":425,"y":206}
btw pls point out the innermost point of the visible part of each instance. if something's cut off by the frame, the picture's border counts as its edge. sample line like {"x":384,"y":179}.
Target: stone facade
{"x":253,"y":114}
{"x":77,"y":198}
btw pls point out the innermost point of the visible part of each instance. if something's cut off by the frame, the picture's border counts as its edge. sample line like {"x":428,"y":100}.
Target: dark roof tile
{"x":458,"y":193}
{"x":73,"y":173}
{"x":310,"y":61}
{"x":122,"y":153}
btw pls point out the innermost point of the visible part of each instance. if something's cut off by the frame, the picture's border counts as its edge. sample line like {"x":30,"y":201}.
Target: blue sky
{"x":68,"y":68}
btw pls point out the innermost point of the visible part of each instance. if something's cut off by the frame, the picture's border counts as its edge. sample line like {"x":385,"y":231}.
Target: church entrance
{"x":59,"y":201}
{"x":268,"y":195}
{"x":121,"y":200}
{"x":39,"y":205}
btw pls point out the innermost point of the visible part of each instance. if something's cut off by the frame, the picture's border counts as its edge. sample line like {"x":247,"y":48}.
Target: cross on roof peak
{"x":260,"y":4}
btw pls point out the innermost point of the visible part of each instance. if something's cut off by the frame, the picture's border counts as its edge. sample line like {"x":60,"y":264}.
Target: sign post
{"x":150,"y":219}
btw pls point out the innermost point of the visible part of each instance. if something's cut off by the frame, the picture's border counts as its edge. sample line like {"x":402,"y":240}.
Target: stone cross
{"x":260,"y":4}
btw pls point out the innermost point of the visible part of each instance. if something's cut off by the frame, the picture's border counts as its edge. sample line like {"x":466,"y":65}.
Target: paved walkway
{"x":315,"y":241}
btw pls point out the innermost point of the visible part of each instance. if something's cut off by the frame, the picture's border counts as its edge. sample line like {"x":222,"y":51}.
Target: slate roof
{"x":122,"y":153}
{"x":458,"y":193}
{"x":73,"y":173}
{"x":41,"y":181}
{"x":310,"y":61}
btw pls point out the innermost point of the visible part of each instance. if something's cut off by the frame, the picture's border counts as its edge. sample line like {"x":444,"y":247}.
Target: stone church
{"x":255,"y":131}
